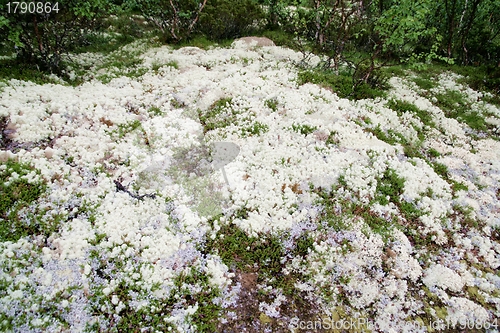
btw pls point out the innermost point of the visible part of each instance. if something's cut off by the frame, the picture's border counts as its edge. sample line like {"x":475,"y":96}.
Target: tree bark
{"x":37,"y":34}
{"x":450,"y":13}
{"x":465,"y":34}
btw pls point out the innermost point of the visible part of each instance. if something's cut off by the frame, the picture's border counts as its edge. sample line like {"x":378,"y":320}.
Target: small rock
{"x":49,"y":152}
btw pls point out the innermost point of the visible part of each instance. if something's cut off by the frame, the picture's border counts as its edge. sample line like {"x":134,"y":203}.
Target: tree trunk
{"x":465,"y":33}
{"x":450,"y":13}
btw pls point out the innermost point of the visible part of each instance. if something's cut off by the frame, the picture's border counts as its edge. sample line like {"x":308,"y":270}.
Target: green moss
{"x":332,"y":139}
{"x":155,"y":111}
{"x":157,"y":65}
{"x":425,"y":84}
{"x":475,"y":294}
{"x":127,"y":290}
{"x":16,"y":195}
{"x":397,"y":70}
{"x":433,"y":152}
{"x":413,"y":150}
{"x":341,"y":83}
{"x":389,"y":187}
{"x":209,"y":310}
{"x":454,"y":104}
{"x":254,"y":129}
{"x":440,"y":169}
{"x":238,"y":249}
{"x":337,"y":212}
{"x":457,"y":186}
{"x":282,"y":38}
{"x":263,"y":254}
{"x":219,"y":115}
{"x":272,"y":103}
{"x":203,"y":42}
{"x":12,"y":69}
{"x":124,"y":60}
{"x":303,"y":245}
{"x":376,"y":223}
{"x":410,"y":211}
{"x":334,"y":211}
{"x":304,"y":129}
{"x":367,"y":91}
{"x":465,"y":215}
{"x":382,"y":135}
{"x":124,"y":129}
{"x":402,"y":107}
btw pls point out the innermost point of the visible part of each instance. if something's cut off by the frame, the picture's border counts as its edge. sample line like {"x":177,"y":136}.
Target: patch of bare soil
{"x":248,"y":318}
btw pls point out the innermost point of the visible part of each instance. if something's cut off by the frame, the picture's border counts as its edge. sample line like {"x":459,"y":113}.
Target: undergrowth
{"x":341,"y":83}
{"x":262,"y":259}
{"x":17,"y":193}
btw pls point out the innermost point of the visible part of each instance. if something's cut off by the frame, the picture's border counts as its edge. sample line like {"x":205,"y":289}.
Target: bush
{"x":281,"y":38}
{"x":41,"y":38}
{"x":175,"y":19}
{"x":224,"y":19}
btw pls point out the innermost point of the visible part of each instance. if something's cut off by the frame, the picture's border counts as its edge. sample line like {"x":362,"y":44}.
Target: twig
{"x":120,"y":187}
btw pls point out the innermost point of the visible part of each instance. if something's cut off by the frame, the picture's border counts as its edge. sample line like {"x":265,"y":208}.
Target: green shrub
{"x":42,"y":38}
{"x":175,"y":19}
{"x":223,"y":19}
{"x":128,"y":27}
{"x":281,"y":38}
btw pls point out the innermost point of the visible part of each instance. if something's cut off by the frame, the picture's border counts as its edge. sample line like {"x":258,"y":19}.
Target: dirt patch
{"x":246,"y":316}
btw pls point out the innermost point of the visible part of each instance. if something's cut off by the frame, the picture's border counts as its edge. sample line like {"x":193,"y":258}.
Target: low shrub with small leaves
{"x":222,"y":19}
{"x":17,"y":192}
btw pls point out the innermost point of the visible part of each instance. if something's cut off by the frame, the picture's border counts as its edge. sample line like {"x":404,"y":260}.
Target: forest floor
{"x":375,"y":215}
